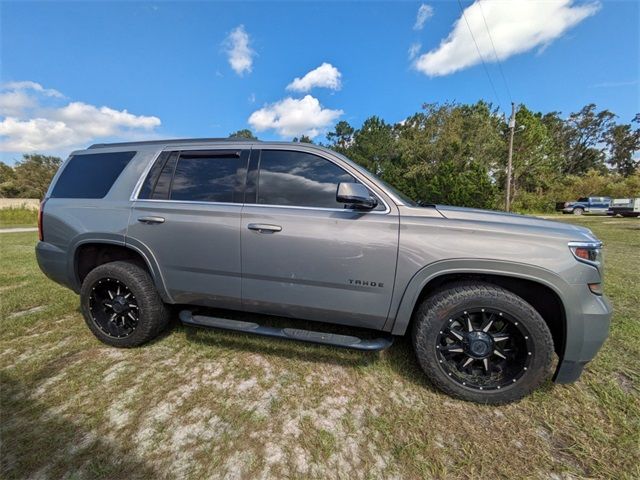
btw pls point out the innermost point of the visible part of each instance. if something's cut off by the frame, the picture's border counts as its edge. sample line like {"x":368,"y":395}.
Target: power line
{"x":495,"y":53}
{"x":486,"y":70}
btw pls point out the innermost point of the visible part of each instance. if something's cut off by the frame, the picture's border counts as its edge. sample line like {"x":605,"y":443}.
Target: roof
{"x":174,"y":141}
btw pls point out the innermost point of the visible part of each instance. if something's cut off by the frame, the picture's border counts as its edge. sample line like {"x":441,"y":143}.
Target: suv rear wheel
{"x":481,"y":343}
{"x":121,"y":306}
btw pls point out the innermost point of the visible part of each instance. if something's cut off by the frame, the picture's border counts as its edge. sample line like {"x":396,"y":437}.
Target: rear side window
{"x":90,"y":175}
{"x":208,"y":177}
{"x":299,"y":179}
{"x":158,"y":181}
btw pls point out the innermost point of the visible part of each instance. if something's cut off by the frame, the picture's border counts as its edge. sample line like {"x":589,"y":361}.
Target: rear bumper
{"x":53,"y":263}
{"x":586,"y":333}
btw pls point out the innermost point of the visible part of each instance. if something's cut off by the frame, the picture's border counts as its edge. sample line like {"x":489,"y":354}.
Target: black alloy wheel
{"x":481,"y":342}
{"x":121,"y":305}
{"x":114,"y":309}
{"x":484,"y":348}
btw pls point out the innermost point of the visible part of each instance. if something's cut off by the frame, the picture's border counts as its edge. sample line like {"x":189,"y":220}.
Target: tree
{"x":374,"y":145}
{"x":585,"y":136}
{"x":244,"y":133}
{"x":623,"y":143}
{"x":535,"y":160}
{"x":7,"y":181}
{"x":470,"y":186}
{"x":467,"y":136}
{"x":302,"y":139}
{"x":31,"y":176}
{"x":341,"y":136}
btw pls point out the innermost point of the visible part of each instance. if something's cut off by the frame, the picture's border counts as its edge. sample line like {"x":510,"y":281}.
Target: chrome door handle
{"x":264,"y":228}
{"x":151,"y":220}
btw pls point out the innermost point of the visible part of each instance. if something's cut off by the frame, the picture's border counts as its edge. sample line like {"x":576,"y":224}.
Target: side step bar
{"x":334,"y":339}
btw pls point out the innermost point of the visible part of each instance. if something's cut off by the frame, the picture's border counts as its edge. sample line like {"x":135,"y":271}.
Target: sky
{"x":76,"y":73}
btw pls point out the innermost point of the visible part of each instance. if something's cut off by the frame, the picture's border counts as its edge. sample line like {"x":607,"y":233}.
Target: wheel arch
{"x":90,"y":253}
{"x":541,"y":288}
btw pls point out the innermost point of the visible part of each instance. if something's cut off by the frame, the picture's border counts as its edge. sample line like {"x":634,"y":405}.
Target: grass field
{"x":204,"y":404}
{"x":18,"y":217}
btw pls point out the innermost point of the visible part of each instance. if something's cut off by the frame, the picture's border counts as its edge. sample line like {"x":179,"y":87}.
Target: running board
{"x":334,"y":339}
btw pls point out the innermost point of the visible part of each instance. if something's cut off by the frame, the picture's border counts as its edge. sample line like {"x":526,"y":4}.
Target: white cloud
{"x":425,"y":12}
{"x":294,"y":117}
{"x":414,"y":50}
{"x":29,"y":85}
{"x":516,"y":26}
{"x":238,"y":50}
{"x":33,"y":119}
{"x":326,"y":76}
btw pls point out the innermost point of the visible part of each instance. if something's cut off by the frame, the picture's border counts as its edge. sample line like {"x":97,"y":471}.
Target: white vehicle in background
{"x":627,"y":207}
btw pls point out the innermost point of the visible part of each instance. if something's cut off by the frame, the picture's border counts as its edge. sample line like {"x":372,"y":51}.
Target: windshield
{"x":395,"y":192}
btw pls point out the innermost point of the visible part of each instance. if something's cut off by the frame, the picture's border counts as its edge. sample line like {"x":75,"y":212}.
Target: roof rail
{"x":172,"y":141}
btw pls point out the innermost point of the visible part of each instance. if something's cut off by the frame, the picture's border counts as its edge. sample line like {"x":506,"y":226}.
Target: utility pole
{"x":512,"y":127}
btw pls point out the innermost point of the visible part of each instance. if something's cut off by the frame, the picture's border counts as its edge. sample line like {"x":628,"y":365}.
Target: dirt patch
{"x":625,"y":382}
{"x":29,"y":311}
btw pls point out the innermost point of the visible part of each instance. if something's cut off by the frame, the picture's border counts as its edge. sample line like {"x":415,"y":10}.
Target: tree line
{"x":456,"y":153}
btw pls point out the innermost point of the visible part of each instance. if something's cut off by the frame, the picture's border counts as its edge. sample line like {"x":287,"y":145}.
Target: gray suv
{"x":300,"y":231}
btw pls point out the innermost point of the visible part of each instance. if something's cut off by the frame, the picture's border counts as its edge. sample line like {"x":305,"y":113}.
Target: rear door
{"x":304,"y":255}
{"x":187,"y":217}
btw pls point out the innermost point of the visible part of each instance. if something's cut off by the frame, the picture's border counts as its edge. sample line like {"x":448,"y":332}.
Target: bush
{"x":593,"y":183}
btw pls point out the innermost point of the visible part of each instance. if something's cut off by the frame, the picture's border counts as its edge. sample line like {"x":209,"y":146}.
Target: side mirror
{"x":357,"y":195}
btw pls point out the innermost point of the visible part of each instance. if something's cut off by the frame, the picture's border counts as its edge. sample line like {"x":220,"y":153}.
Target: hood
{"x":533,"y":225}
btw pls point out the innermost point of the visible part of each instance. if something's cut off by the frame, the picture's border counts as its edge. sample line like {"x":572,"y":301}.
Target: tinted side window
{"x":299,"y":179}
{"x":152,"y":177}
{"x":90,"y":175}
{"x":163,"y":182}
{"x":206,"y":177}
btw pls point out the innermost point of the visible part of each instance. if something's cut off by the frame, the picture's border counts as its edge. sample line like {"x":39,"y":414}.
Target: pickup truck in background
{"x":593,"y":205}
{"x":626,"y":207}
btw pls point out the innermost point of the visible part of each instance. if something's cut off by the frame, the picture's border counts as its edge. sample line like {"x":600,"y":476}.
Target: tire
{"x":578,"y":211}
{"x":527,"y":348}
{"x":122,"y":285}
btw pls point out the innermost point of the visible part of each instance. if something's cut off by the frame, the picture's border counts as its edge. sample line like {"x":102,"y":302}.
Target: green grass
{"x":18,"y":217}
{"x":200,"y":404}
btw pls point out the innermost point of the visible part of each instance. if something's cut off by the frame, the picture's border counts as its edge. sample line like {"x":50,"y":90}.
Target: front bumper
{"x":585,"y":335}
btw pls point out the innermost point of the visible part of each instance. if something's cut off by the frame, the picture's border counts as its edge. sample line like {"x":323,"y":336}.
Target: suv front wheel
{"x":482,"y":343}
{"x":121,"y":305}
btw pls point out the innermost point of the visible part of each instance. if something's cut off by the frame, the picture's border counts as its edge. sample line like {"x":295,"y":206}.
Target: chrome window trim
{"x":323,"y":209}
{"x":199,"y":202}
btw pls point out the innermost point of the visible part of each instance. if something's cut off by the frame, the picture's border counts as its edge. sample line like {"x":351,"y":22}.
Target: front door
{"x":187,"y":217}
{"x":304,"y":255}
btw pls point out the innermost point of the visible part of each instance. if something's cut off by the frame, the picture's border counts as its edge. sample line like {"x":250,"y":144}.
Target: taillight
{"x":40,"y":231}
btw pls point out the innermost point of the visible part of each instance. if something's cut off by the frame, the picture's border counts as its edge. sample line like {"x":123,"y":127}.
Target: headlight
{"x":588,"y":252}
